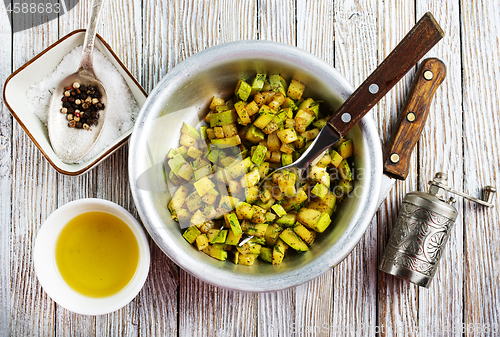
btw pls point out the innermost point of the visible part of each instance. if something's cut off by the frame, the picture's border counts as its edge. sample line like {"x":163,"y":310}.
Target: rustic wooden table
{"x":462,"y":137}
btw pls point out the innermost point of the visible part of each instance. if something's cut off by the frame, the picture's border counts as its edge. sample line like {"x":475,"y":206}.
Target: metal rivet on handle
{"x":411,"y":116}
{"x":489,"y":193}
{"x":373,"y":88}
{"x":394,"y":158}
{"x":346,"y":117}
{"x":428,"y":75}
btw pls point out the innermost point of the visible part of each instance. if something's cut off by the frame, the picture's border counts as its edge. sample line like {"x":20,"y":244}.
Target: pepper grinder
{"x":422,"y":229}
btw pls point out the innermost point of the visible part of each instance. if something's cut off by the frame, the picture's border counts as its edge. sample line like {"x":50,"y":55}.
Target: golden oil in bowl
{"x":97,"y":254}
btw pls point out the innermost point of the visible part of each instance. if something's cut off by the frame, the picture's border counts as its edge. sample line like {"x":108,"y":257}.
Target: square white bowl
{"x":38,"y":68}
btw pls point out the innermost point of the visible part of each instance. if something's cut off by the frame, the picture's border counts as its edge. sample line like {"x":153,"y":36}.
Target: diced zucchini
{"x":227,"y":142}
{"x":346,"y":148}
{"x":242,"y":90}
{"x":222,"y":118}
{"x":190,"y":131}
{"x":263,"y":120}
{"x":230,"y":130}
{"x":266,"y":254}
{"x":201,"y":241}
{"x":176,"y":162}
{"x":258,"y":83}
{"x":279,"y":251}
{"x":179,"y":197}
{"x":272,"y":233}
{"x":279,"y":210}
{"x":232,"y":239}
{"x":254,"y":135}
{"x":233,"y":222}
{"x":314,"y":219}
{"x":185,"y":171}
{"x":194,"y":153}
{"x":203,"y":186}
{"x":247,"y":259}
{"x":278,"y":83}
{"x":286,"y":159}
{"x":259,"y":214}
{"x":217,"y":235}
{"x":302,"y":120}
{"x":186,"y":140}
{"x":336,"y":158}
{"x":288,"y":220}
{"x":259,"y":154}
{"x":293,"y":240}
{"x":287,"y":136}
{"x":305,"y":234}
{"x":252,"y":194}
{"x":249,"y":248}
{"x":216,"y":101}
{"x":345,"y":170}
{"x":320,"y":123}
{"x":191,"y":233}
{"x":343,"y":188}
{"x":320,"y":190}
{"x":244,"y":211}
{"x":242,"y":113}
{"x":252,"y":108}
{"x":295,"y":89}
{"x":216,"y":253}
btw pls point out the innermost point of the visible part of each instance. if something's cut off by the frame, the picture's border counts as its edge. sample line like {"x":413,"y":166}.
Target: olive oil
{"x":97,"y":254}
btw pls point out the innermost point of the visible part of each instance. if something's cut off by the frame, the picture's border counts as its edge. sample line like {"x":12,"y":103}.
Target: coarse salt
{"x":121,"y":109}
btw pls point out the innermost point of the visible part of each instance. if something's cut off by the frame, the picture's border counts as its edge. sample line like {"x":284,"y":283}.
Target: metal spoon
{"x":71,"y":144}
{"x":421,"y":38}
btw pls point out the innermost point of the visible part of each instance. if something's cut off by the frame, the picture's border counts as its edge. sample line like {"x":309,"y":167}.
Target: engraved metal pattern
{"x":418,"y":239}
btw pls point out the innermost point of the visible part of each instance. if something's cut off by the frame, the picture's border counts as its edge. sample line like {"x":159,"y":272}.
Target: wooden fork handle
{"x":421,"y":38}
{"x":411,"y":120}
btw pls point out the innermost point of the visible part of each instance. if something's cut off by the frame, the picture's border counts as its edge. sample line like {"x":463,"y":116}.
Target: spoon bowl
{"x":71,"y":144}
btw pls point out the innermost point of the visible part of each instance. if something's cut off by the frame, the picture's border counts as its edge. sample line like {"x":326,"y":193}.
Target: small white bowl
{"x":38,"y":68}
{"x":44,"y":257}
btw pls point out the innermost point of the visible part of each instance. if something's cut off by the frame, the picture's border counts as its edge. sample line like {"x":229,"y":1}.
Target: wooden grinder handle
{"x":411,"y":121}
{"x":421,"y":38}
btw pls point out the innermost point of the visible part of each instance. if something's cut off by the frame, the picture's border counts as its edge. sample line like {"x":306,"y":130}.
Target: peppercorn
{"x":76,"y":118}
{"x":78,"y":101}
{"x":86,"y":126}
{"x":66,"y":105}
{"x":76,"y":85}
{"x":73,"y":93}
{"x":83,"y":88}
{"x":79,"y":125}
{"x":99,"y":106}
{"x":67,"y":93}
{"x":71,"y":124}
{"x":71,"y":110}
{"x":71,"y":99}
{"x":95,"y":101}
{"x":85,"y":105}
{"x":64,"y":110}
{"x":69,"y":117}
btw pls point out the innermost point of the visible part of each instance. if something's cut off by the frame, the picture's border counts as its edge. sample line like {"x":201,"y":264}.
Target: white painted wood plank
{"x":315,"y":33}
{"x":354,"y":287}
{"x":440,"y":149}
{"x":34,"y":194}
{"x":5,"y":178}
{"x":481,"y":90}
{"x":276,"y":310}
{"x":397,"y":299}
{"x":203,"y":309}
{"x":158,"y":311}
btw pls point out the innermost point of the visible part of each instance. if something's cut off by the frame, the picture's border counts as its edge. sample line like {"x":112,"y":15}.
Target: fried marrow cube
{"x":179,"y":197}
{"x":244,"y":211}
{"x":278,"y":209}
{"x":242,"y":112}
{"x":193,"y":201}
{"x":232,"y":239}
{"x":222,"y":118}
{"x":252,"y":194}
{"x":252,"y":108}
{"x":257,"y":230}
{"x":263,"y":120}
{"x":230,"y":130}
{"x":251,"y":178}
{"x":287,"y":136}
{"x":346,"y":148}
{"x":217,"y":235}
{"x":279,"y":251}
{"x":324,"y":205}
{"x":293,"y":240}
{"x":306,"y":235}
{"x":249,"y":248}
{"x":336,"y":158}
{"x":278,"y":83}
{"x":302,"y":120}
{"x":194,"y":152}
{"x":287,"y":148}
{"x":203,"y":186}
{"x":320,"y":190}
{"x":201,"y":241}
{"x":288,"y":220}
{"x":266,"y":254}
{"x":219,"y":132}
{"x":343,"y":188}
{"x":295,"y":90}
{"x":247,"y":259}
{"x":242,"y":90}
{"x":314,"y":219}
{"x":345,"y":170}
{"x":286,"y":159}
{"x":273,"y":142}
{"x":254,"y":134}
{"x":233,"y":223}
{"x":272,"y":233}
{"x":259,"y":214}
{"x":191,"y":234}
{"x":215,"y":252}
{"x":227,"y":142}
{"x":258,"y":83}
{"x":259,"y":154}
{"x":186,"y":140}
{"x":216,"y":101}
